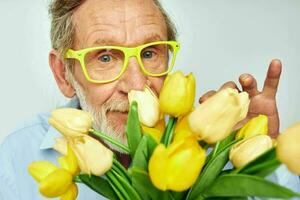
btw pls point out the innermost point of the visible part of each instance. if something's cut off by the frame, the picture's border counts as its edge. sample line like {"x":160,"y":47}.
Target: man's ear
{"x":58,"y":69}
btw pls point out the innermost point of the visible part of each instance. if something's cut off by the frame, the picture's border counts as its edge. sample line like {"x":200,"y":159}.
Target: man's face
{"x":127,"y":23}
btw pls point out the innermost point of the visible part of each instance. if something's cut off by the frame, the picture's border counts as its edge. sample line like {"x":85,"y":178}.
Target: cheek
{"x":157,"y":83}
{"x":96,"y":94}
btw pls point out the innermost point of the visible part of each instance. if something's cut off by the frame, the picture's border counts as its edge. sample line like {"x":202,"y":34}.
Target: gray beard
{"x":100,"y":120}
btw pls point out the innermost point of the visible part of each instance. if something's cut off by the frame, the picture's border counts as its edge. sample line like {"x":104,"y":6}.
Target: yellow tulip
{"x":256,"y":126}
{"x":155,"y":132}
{"x":177,"y":166}
{"x":54,"y":181}
{"x":288,"y":148}
{"x":182,"y":128}
{"x":247,"y":150}
{"x":215,"y":119}
{"x":177,"y":94}
{"x":148,"y":106}
{"x":93,"y":157}
{"x":71,"y":122}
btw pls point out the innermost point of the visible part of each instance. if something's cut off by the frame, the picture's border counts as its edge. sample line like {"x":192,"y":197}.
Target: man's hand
{"x":261,"y":102}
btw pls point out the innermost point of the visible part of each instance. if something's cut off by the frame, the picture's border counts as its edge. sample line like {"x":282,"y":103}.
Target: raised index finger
{"x":272,"y":79}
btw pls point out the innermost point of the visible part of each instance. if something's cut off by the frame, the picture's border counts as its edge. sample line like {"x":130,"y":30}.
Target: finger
{"x":229,"y":84}
{"x":206,"y":96}
{"x":249,"y":85}
{"x":272,"y":79}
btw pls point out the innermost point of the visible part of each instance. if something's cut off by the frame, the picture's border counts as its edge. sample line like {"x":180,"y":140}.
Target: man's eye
{"x":148,"y":54}
{"x":105,"y":58}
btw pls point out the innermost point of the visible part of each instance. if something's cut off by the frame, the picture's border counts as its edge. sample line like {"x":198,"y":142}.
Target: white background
{"x":219,"y":40}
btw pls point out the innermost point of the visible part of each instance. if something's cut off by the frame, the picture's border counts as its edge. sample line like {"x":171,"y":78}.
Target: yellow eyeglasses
{"x":105,"y":64}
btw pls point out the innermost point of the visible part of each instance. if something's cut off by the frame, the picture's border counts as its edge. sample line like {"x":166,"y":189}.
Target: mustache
{"x":116,"y":105}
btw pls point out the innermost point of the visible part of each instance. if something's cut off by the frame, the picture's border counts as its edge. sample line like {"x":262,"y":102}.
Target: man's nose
{"x":133,"y":78}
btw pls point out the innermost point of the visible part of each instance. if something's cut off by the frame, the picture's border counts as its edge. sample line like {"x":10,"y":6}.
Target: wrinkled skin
{"x":113,"y":22}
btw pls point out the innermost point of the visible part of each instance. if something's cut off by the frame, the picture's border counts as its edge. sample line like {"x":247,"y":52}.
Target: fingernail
{"x":244,"y":77}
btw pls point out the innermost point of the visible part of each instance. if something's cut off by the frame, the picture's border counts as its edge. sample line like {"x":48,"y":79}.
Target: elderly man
{"x":98,"y":80}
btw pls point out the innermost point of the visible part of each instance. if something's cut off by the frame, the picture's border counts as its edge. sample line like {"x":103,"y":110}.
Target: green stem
{"x":168,"y":134}
{"x":216,"y":149}
{"x":110,"y":182}
{"x":122,"y":170}
{"x":117,"y":184}
{"x":110,"y":139}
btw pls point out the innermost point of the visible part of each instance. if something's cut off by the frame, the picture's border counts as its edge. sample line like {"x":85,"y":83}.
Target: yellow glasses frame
{"x":128,"y":52}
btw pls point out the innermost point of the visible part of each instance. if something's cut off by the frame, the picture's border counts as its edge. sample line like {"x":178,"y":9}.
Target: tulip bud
{"x":148,"y":106}
{"x":177,"y":94}
{"x":182,"y":129}
{"x":53,"y":181}
{"x":215,"y":119}
{"x":177,"y":166}
{"x":71,"y":122}
{"x":93,"y":157}
{"x":288,"y":148}
{"x":155,"y":132}
{"x":256,"y":126}
{"x":247,"y":150}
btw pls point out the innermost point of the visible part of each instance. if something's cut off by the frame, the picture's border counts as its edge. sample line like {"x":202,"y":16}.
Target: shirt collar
{"x":49,"y":138}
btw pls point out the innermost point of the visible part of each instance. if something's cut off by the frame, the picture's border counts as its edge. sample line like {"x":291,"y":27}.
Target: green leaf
{"x":99,"y":185}
{"x":239,"y":185}
{"x":210,"y":172}
{"x":178,"y":195}
{"x":143,"y":152}
{"x":133,"y":128}
{"x":227,"y":198}
{"x":151,"y":144}
{"x":262,"y":165}
{"x":140,"y":159}
{"x":221,"y":145}
{"x":141,"y":181}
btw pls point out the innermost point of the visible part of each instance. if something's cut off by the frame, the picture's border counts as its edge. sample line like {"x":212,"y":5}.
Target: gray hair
{"x":62,"y":29}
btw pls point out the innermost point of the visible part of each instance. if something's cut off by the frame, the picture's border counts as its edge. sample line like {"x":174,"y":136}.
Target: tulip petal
{"x":177,"y":94}
{"x":153,"y":132}
{"x":214,"y":119}
{"x":256,"y":126}
{"x":185,"y":164}
{"x":158,"y":167}
{"x":71,"y":194}
{"x":288,"y":148}
{"x":148,"y":106}
{"x":69,"y":162}
{"x":56,"y":183}
{"x":182,"y":129}
{"x":60,"y":145}
{"x":71,"y":122}
{"x":39,"y":170}
{"x":247,"y":150}
{"x":93,"y":157}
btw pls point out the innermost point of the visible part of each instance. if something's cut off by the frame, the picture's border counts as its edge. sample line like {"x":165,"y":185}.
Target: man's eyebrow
{"x":153,"y":37}
{"x":107,"y":41}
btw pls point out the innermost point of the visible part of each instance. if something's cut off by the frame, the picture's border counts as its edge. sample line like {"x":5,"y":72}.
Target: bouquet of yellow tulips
{"x":184,"y":159}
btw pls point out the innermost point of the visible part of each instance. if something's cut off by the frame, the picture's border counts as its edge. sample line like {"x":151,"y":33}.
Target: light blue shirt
{"x":34,"y":142}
